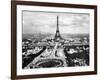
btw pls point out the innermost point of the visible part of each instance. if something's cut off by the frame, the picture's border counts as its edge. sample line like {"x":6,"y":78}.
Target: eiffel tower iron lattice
{"x":57,"y":35}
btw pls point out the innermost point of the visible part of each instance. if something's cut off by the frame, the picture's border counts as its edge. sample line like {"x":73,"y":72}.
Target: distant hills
{"x":36,"y":36}
{"x":40,"y":36}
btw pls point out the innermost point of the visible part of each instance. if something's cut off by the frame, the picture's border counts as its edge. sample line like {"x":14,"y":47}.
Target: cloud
{"x":47,"y":22}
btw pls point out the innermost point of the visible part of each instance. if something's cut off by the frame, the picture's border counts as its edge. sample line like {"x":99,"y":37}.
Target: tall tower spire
{"x":57,"y":35}
{"x":57,"y":24}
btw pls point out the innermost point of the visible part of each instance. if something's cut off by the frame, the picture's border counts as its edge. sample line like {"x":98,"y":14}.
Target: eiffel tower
{"x":57,"y":35}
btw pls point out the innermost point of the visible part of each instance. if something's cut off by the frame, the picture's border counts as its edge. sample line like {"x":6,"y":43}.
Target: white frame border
{"x":20,"y":71}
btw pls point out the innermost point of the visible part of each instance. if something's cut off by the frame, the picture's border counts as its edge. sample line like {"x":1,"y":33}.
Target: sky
{"x":46,"y":22}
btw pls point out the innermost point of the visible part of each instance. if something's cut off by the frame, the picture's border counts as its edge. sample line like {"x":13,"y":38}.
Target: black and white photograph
{"x":52,"y":40}
{"x":55,"y":39}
